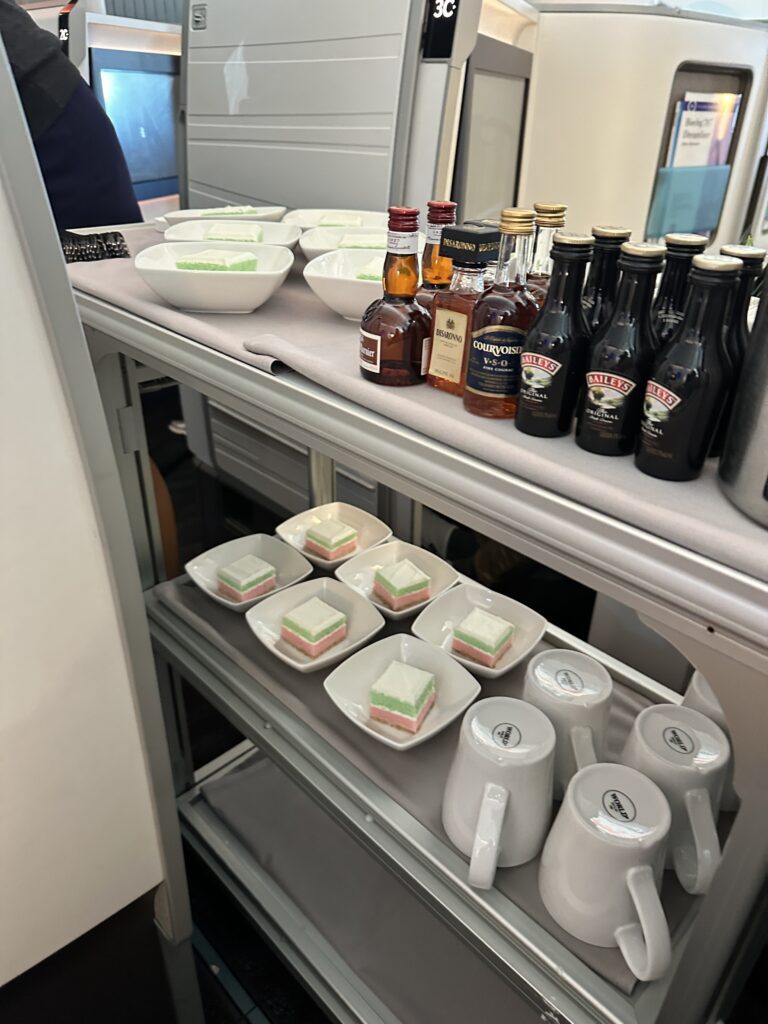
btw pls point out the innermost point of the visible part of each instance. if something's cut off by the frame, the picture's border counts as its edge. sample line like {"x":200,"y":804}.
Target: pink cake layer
{"x":481,"y":657}
{"x":330,"y":553}
{"x":317,"y":648}
{"x":402,"y":721}
{"x":246,"y":595}
{"x":398,"y":603}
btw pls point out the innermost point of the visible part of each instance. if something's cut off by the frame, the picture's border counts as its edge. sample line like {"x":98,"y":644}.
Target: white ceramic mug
{"x":574,"y":691}
{"x":602,"y":865}
{"x":687,"y":756}
{"x":701,"y":697}
{"x":498,"y":799}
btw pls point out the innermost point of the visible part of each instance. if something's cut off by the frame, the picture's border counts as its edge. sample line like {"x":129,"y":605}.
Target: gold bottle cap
{"x":646,"y":250}
{"x":608,"y":231}
{"x":572,"y":238}
{"x":743,"y":252}
{"x":681,"y":238}
{"x":515,"y":221}
{"x":550,"y":209}
{"x":716,"y":264}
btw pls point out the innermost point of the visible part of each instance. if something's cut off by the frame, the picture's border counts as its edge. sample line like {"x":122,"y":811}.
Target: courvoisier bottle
{"x":621,"y":358}
{"x":686,"y":392}
{"x":554,"y":356}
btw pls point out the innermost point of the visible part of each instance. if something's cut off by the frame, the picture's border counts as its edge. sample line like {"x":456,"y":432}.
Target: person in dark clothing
{"x":82,"y":164}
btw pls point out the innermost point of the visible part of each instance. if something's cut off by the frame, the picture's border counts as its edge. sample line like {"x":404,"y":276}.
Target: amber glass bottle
{"x":470,"y":248}
{"x":394,"y":328}
{"x":550,"y":217}
{"x":500,"y":323}
{"x":436,"y":270}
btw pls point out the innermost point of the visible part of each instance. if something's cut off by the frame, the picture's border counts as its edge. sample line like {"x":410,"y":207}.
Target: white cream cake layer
{"x":401,"y":682}
{"x":314,"y":618}
{"x":234,"y":233}
{"x":403,"y":575}
{"x":340,"y":220}
{"x":331,"y":533}
{"x":246,"y":572}
{"x":222,"y":212}
{"x":489,"y":629}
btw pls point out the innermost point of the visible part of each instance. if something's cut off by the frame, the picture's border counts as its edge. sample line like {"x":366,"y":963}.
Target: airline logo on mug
{"x":568,"y":680}
{"x":618,"y":805}
{"x":678,"y":740}
{"x":506,"y":735}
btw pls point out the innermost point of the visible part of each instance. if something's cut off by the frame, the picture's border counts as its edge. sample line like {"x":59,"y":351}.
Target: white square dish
{"x":333,"y":279}
{"x":224,"y":213}
{"x":349,"y":687}
{"x":290,"y":566}
{"x":436,"y":623}
{"x":363,"y":622}
{"x":214,"y":291}
{"x":359,"y":573}
{"x":370,"y":530}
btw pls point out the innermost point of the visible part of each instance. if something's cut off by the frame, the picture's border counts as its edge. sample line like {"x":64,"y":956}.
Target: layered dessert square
{"x":313,"y":627}
{"x":402,"y":584}
{"x":372,"y":271}
{"x":374,"y":240}
{"x":331,"y":539}
{"x":482,"y":636}
{"x":223,"y":212}
{"x":340,"y":220}
{"x":402,"y":696}
{"x":234,"y":233}
{"x":246,"y":578}
{"x":217,"y":259}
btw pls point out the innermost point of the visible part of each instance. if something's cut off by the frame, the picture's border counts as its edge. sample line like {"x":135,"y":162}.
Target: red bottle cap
{"x":439,"y":212}
{"x":403,"y":218}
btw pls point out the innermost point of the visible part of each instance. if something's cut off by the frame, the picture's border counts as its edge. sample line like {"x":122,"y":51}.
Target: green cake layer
{"x":308,"y":635}
{"x":383,"y":700}
{"x":412,"y":588}
{"x":191,"y":264}
{"x":253,"y":582}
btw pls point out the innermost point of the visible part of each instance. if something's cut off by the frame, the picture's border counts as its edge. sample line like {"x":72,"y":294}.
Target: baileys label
{"x":659,"y":402}
{"x":538,"y":370}
{"x":607,"y":390}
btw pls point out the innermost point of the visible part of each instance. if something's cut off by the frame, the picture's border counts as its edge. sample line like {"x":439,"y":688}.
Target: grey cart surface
{"x":715,"y":613}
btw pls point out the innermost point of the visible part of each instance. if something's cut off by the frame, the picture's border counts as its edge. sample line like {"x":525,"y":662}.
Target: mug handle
{"x":645,"y":946}
{"x":695,"y":866}
{"x":583,"y":745}
{"x":485,"y":849}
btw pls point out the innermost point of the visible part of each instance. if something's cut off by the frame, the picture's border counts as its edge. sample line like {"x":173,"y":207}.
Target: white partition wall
{"x":85,"y":791}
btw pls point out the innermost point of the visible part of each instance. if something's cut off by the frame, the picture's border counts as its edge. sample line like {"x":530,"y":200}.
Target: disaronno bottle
{"x":394,"y":328}
{"x":554,"y":357}
{"x":500,"y":323}
{"x":470,"y":248}
{"x":436,"y":270}
{"x":603,"y":277}
{"x":685,"y":394}
{"x":550,"y":218}
{"x":621,"y":358}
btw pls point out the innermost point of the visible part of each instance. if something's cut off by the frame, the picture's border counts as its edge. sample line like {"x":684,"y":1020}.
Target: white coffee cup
{"x":602,"y":865}
{"x":574,"y":691}
{"x":701,"y":697}
{"x":687,"y":756}
{"x":497,"y":804}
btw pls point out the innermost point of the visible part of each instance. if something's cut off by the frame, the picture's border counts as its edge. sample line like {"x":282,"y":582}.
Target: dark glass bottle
{"x":550,"y":218}
{"x":685,"y":394}
{"x":670,"y":298}
{"x":394,"y":328}
{"x":470,"y":248}
{"x":603,"y":276}
{"x":621,"y":358}
{"x":500,"y":323}
{"x":555,"y":352}
{"x":436,"y":270}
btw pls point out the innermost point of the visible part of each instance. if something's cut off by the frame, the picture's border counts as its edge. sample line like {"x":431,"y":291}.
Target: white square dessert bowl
{"x":243,"y":212}
{"x":363,"y":622}
{"x":333,"y":279}
{"x":349,"y":687}
{"x":236,"y":232}
{"x":290,"y":566}
{"x":370,"y":531}
{"x":360,"y":574}
{"x":214,"y":291}
{"x":439,"y":619}
{"x":317,"y":241}
{"x":334,"y":218}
